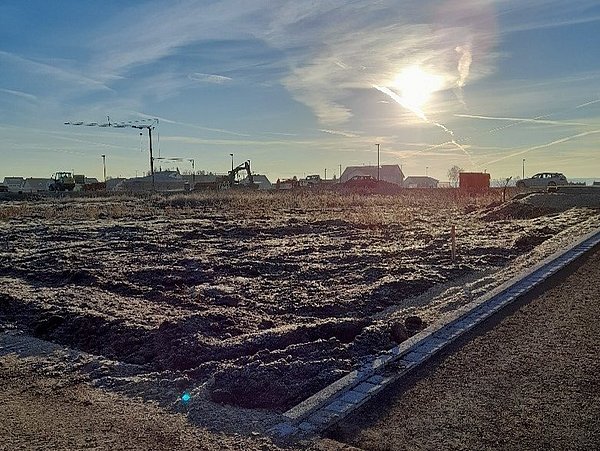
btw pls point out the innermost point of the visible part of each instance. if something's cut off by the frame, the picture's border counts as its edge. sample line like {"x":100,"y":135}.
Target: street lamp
{"x":426,"y":171}
{"x":104,"y":166}
{"x":231,"y":161}
{"x":191,"y":160}
{"x":523,"y":167}
{"x":377,"y":161}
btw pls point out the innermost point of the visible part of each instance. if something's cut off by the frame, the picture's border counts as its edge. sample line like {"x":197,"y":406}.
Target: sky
{"x":300,"y":87}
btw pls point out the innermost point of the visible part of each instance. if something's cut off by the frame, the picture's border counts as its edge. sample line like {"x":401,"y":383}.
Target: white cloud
{"x":209,"y":78}
{"x":21,"y":94}
{"x":340,"y":132}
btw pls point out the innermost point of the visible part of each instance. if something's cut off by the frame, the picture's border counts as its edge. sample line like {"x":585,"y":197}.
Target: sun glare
{"x":416,"y":87}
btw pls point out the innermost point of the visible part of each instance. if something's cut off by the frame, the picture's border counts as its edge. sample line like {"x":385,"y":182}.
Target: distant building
{"x":113,"y":183}
{"x":14,"y":184}
{"x":36,"y":185}
{"x":163,"y":181}
{"x":388,"y":173}
{"x":420,"y":181}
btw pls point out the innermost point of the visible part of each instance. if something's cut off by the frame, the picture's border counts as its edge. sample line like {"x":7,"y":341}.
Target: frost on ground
{"x":254,"y":300}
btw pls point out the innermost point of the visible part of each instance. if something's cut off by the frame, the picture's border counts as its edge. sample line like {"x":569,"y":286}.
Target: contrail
{"x":519,"y":119}
{"x":542,"y":146}
{"x":587,"y":103}
{"x":421,"y":115}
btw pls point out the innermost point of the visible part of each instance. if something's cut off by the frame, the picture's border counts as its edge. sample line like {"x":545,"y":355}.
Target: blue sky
{"x":299,"y":86}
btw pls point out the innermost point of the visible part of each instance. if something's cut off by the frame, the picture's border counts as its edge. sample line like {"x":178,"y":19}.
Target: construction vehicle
{"x":62,"y":181}
{"x":245,"y":166}
{"x":223,"y":182}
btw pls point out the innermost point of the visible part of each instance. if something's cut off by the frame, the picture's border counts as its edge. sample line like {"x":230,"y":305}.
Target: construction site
{"x":219,"y":304}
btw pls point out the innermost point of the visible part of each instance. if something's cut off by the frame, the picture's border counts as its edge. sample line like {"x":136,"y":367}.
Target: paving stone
{"x":430,"y":345}
{"x":366,"y":387}
{"x":339,"y":406}
{"x":354,"y":396}
{"x":323,"y":417}
{"x":375,"y":379}
{"x":415,"y":357}
{"x":307,"y":427}
{"x":283,"y":430}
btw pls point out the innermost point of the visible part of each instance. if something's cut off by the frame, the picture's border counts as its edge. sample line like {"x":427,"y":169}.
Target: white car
{"x":543,"y":179}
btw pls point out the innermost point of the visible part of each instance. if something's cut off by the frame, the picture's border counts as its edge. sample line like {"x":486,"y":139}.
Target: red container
{"x":474,"y":182}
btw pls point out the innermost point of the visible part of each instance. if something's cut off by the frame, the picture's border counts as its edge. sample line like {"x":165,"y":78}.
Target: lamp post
{"x":377,"y":161}
{"x":104,"y":166}
{"x":191,"y":160}
{"x":523,"y":168}
{"x":426,"y":171}
{"x":231,"y":161}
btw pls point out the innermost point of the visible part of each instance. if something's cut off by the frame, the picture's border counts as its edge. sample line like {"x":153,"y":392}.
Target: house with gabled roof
{"x":390,"y":173}
{"x":14,"y":184}
{"x":36,"y":185}
{"x":420,"y":181}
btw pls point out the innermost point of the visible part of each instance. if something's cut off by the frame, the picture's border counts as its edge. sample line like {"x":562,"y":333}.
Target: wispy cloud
{"x":340,"y":132}
{"x":528,"y":120}
{"x":185,"y":124}
{"x":58,"y":73}
{"x":21,"y":94}
{"x":209,"y":78}
{"x":331,"y":49}
{"x":543,"y":146}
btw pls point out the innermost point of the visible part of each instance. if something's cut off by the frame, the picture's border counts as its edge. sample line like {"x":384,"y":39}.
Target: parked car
{"x":361,"y":181}
{"x":543,"y":179}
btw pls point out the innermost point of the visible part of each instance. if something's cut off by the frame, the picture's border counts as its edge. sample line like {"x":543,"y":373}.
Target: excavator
{"x":244,"y":166}
{"x":223,"y":182}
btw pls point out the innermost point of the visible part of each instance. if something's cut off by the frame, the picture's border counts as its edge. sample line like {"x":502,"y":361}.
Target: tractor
{"x":62,"y":181}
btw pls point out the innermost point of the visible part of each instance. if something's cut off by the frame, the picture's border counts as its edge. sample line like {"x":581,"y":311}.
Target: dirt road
{"x":531,"y":382}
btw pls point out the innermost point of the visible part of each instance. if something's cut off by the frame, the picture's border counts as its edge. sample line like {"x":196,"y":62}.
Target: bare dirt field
{"x":531,"y":382}
{"x":252,"y":302}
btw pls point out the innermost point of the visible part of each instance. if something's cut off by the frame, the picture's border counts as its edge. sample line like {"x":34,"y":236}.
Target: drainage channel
{"x":338,"y":400}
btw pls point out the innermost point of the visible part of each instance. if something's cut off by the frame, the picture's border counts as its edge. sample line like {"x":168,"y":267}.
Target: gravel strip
{"x":531,"y":382}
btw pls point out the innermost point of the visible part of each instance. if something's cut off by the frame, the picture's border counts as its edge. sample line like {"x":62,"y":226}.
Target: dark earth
{"x":261,"y":298}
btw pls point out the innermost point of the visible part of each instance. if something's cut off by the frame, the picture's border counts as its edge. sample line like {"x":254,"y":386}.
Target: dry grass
{"x":368,"y":210}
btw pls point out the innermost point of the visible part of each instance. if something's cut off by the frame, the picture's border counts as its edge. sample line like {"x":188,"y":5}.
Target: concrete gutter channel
{"x":344,"y":396}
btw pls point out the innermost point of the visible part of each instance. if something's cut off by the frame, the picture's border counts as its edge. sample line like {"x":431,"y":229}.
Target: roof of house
{"x":387,"y":172}
{"x":37,"y":184}
{"x":13,"y":180}
{"x":419,"y":179}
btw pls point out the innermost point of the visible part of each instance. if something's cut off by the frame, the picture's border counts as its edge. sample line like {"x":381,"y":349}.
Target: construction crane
{"x":149,"y":125}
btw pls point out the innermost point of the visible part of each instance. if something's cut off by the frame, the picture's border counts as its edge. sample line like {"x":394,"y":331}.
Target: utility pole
{"x":426,"y":171}
{"x":523,"y":168}
{"x":191,"y":160}
{"x":325,"y":173}
{"x":377,"y":161}
{"x":104,"y":166}
{"x":340,"y":172}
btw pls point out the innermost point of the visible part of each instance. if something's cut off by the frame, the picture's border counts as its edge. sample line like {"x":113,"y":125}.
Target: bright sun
{"x":416,"y":86}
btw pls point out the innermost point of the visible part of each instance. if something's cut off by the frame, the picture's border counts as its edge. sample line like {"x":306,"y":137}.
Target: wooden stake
{"x":453,"y":241}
